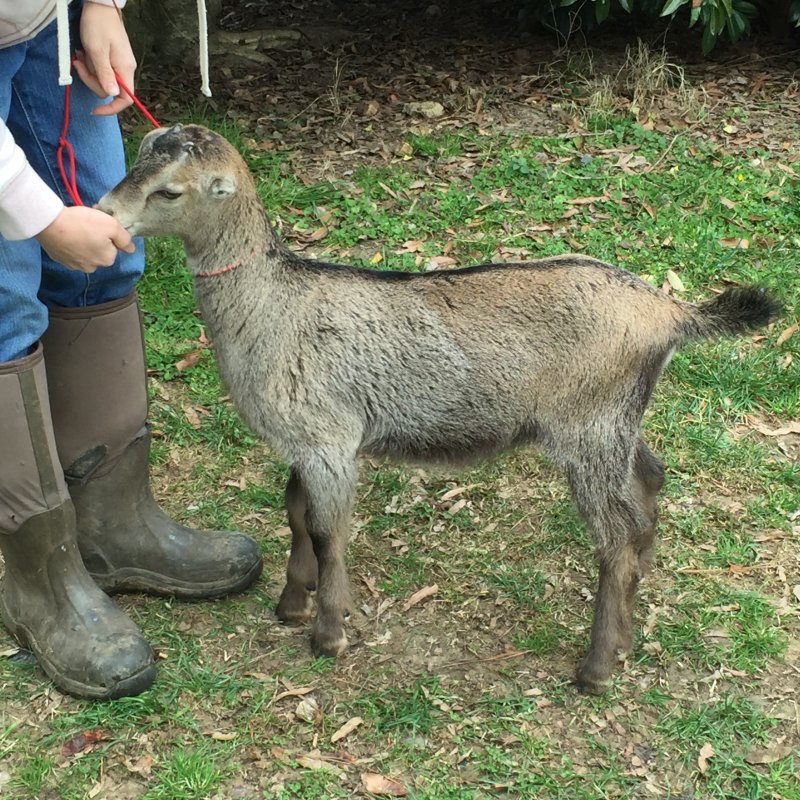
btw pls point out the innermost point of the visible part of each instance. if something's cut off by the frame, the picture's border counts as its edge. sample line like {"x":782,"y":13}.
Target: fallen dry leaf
{"x":406,"y":150}
{"x":706,"y":752}
{"x":411,"y":246}
{"x":315,"y":761}
{"x":388,"y":190}
{"x":735,"y":243}
{"x":792,"y":427}
{"x":319,"y":233}
{"x":189,"y":360}
{"x":83,"y":740}
{"x":380,"y":784}
{"x":142,"y":766}
{"x":419,"y":596}
{"x":629,"y":162}
{"x":346,"y":729}
{"x":767,"y":755}
{"x":457,"y":506}
{"x":449,"y":495}
{"x":727,"y":203}
{"x":787,"y":334}
{"x":585,"y":201}
{"x":674,"y":281}
{"x":299,"y":692}
{"x":307,"y":709}
{"x":279,"y":754}
{"x":426,"y":108}
{"x":192,"y":417}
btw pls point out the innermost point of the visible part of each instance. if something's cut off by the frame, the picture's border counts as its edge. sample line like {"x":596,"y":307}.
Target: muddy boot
{"x":84,"y":643}
{"x":98,"y":395}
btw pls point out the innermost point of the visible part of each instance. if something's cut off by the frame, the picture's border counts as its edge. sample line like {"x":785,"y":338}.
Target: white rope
{"x":64,"y":55}
{"x":202,"y":24}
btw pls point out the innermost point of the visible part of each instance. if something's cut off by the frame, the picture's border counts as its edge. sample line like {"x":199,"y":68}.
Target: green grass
{"x":468,"y":695}
{"x":189,"y":774}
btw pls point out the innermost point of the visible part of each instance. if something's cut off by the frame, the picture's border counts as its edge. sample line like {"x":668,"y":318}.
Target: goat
{"x":327,"y":362}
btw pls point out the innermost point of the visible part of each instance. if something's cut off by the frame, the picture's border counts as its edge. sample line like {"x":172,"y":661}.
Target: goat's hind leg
{"x":612,"y":627}
{"x":622,"y":529}
{"x":295,"y":604}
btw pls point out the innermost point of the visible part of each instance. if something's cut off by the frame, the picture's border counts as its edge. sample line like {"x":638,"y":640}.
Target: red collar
{"x":227,"y":268}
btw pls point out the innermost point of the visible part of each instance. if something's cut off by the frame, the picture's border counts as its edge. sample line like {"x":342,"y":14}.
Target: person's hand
{"x":106,"y":49}
{"x":85,"y":239}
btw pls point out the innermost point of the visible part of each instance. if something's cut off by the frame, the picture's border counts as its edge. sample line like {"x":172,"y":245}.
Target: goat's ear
{"x":147,"y":143}
{"x":221,"y":187}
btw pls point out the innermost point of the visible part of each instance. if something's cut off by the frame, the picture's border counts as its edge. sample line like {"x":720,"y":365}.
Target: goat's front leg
{"x":295,"y":605}
{"x":330,"y":489}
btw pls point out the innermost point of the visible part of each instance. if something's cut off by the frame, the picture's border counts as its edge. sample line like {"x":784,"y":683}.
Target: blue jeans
{"x":32,"y":104}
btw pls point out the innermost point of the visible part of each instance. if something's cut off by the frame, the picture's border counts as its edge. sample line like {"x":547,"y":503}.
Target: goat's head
{"x":181,"y":178}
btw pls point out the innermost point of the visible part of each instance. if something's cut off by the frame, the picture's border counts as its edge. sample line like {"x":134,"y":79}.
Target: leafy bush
{"x":730,"y":18}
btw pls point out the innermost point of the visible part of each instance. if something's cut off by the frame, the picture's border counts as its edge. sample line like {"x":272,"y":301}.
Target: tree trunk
{"x":167,"y":31}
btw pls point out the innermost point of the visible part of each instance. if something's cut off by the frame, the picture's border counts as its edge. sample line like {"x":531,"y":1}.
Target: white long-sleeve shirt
{"x":27,"y":204}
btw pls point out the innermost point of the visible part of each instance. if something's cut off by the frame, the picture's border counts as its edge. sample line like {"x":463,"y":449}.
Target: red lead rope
{"x":68,"y":172}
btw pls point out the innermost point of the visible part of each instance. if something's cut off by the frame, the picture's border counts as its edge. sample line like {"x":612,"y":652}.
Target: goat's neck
{"x":241,"y":287}
{"x":233,"y":238}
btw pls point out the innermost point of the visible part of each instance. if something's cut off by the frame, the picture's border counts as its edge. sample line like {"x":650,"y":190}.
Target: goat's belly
{"x":457,"y":443}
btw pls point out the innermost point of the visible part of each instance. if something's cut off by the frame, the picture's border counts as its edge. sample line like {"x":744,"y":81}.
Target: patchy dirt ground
{"x":349,"y":82}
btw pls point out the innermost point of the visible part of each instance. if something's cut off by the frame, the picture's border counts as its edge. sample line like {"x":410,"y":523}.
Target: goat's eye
{"x":167,"y":194}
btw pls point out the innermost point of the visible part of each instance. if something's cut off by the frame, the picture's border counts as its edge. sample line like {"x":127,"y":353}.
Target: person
{"x":77,"y":517}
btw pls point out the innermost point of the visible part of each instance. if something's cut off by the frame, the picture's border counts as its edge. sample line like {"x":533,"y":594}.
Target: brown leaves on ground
{"x":782,"y":430}
{"x":382,"y":786}
{"x":768,"y":755}
{"x":346,"y":729}
{"x":787,"y":334}
{"x":83,"y":741}
{"x":706,"y":752}
{"x":419,"y":596}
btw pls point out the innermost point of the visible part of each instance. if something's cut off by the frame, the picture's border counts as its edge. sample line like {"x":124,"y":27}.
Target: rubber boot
{"x":98,"y":395}
{"x":48,"y":602}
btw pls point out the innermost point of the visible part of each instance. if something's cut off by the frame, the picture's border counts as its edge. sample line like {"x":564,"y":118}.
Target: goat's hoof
{"x":294,"y":607}
{"x":325,"y":645}
{"x":589,"y":686}
{"x":592,"y":678}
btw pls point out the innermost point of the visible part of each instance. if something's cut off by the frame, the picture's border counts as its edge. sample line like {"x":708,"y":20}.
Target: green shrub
{"x":728,"y":18}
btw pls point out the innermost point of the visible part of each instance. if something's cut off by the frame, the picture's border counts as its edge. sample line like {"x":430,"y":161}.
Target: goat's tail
{"x":735,"y":311}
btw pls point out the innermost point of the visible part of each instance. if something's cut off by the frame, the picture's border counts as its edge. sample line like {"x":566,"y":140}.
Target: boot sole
{"x":132,"y":685}
{"x":138,"y":580}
